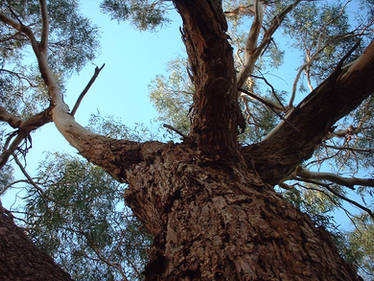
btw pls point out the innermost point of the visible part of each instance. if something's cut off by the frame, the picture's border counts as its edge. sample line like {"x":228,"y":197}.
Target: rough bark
{"x":215,"y":110}
{"x":214,"y":220}
{"x":20,"y":259}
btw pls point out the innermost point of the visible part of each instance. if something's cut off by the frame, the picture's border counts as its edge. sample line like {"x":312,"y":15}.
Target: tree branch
{"x":251,"y":44}
{"x":24,"y":130}
{"x":262,"y":77}
{"x":113,"y":155}
{"x":274,"y":24}
{"x":11,"y":119}
{"x":319,"y":49}
{"x":284,"y":149}
{"x":361,"y":150}
{"x":338,"y":195}
{"x":45,"y":26}
{"x":215,"y":105}
{"x":348,"y":182}
{"x":85,"y":90}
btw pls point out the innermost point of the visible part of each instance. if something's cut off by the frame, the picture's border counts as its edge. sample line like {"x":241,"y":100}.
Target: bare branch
{"x":25,"y":128}
{"x":251,"y":44}
{"x":21,"y":28}
{"x":81,"y":96}
{"x":275,"y":23}
{"x":339,"y":195}
{"x":262,"y":77}
{"x":319,"y":49}
{"x":19,"y":76}
{"x":253,"y":51}
{"x":348,"y":182}
{"x":270,"y":105}
{"x":266,"y":102}
{"x":175,"y":130}
{"x":6,"y":187}
{"x":31,"y":181}
{"x":315,"y":117}
{"x":45,"y":26}
{"x":362,"y":150}
{"x":241,"y":10}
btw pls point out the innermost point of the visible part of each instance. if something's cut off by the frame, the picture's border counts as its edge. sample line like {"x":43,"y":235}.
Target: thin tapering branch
{"x":262,"y":77}
{"x":85,"y":90}
{"x":271,"y":106}
{"x":251,"y":44}
{"x":358,"y":205}
{"x":360,"y":150}
{"x":348,"y":182}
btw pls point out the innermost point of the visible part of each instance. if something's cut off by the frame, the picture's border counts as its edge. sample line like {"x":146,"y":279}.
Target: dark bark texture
{"x":214,"y":220}
{"x":20,"y":259}
{"x":216,"y":113}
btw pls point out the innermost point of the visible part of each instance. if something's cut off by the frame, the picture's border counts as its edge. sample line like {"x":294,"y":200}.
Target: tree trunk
{"x":20,"y":259}
{"x":214,"y":220}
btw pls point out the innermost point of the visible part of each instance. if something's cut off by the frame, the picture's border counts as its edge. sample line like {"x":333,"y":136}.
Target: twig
{"x":269,"y":105}
{"x":84,"y":92}
{"x":338,"y":195}
{"x":369,"y":150}
{"x":262,"y":77}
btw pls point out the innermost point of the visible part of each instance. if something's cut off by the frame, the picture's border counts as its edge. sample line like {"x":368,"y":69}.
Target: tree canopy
{"x":74,"y":210}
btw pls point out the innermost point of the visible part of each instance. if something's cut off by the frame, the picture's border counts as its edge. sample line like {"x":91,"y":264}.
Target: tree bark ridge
{"x":216,"y":114}
{"x":212,"y":221}
{"x":20,"y":259}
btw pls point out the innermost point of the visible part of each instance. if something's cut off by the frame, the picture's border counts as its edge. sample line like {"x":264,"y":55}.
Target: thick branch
{"x":283,"y":149}
{"x":112,"y":155}
{"x":24,"y":130}
{"x":11,"y":119}
{"x":216,"y":110}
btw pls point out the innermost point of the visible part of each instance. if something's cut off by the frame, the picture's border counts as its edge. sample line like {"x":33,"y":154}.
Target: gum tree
{"x":208,"y":201}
